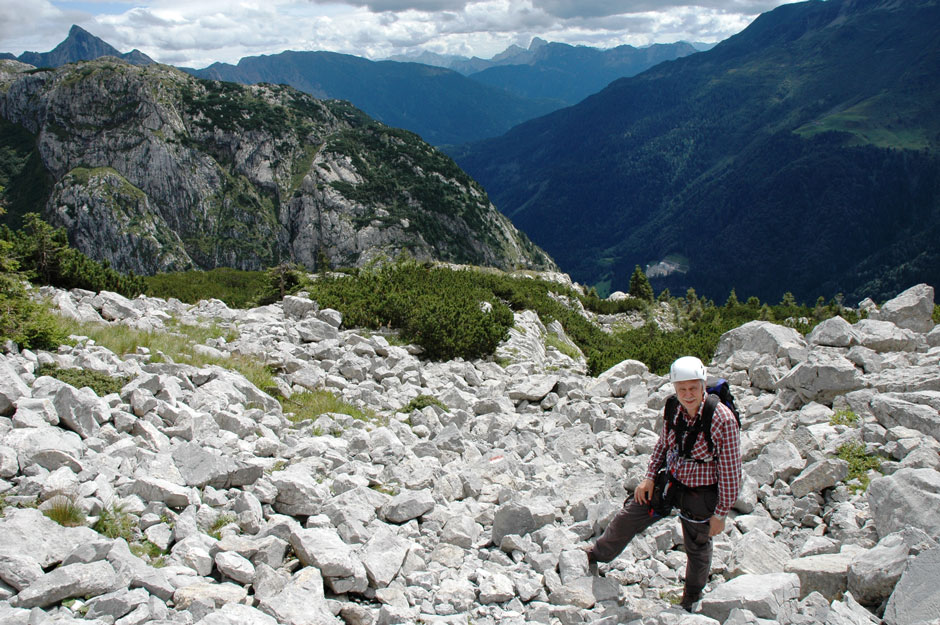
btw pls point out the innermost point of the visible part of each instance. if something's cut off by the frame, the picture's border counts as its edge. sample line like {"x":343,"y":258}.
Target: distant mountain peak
{"x":81,"y":45}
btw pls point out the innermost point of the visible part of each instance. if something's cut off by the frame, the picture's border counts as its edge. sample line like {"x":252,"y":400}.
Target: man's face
{"x":690,"y":394}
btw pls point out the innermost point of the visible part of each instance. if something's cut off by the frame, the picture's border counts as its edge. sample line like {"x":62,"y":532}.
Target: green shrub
{"x":860,"y":463}
{"x":421,"y":402}
{"x":101,"y":383}
{"x":64,"y":511}
{"x":44,"y":255}
{"x":27,"y":323}
{"x":284,"y":279}
{"x":844,"y":417}
{"x":448,"y":313}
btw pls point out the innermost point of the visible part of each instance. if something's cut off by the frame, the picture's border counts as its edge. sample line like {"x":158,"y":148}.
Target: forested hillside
{"x":799,"y":155}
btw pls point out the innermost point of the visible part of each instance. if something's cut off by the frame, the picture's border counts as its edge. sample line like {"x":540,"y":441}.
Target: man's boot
{"x":689,"y":598}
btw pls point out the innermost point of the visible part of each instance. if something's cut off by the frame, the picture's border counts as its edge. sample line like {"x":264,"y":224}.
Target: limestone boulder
{"x":916,"y":598}
{"x":822,"y":377}
{"x":72,"y":580}
{"x":762,"y":337}
{"x":12,"y":388}
{"x":906,"y":498}
{"x":911,"y":310}
{"x":764,"y":595}
{"x":893,"y":410}
{"x":884,"y":336}
{"x":819,"y":476}
{"x":833,"y":332}
{"x":875,"y":572}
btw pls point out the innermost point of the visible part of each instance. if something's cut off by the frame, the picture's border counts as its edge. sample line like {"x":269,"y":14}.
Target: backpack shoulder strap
{"x":711,"y":402}
{"x":669,"y":412}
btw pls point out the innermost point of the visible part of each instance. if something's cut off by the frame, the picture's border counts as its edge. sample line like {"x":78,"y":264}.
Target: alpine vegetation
{"x":357,"y":482}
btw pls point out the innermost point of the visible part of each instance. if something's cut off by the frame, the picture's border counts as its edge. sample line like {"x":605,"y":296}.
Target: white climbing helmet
{"x":687,"y":368}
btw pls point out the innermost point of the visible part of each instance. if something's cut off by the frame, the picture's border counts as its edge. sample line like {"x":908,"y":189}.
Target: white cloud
{"x":198,"y":33}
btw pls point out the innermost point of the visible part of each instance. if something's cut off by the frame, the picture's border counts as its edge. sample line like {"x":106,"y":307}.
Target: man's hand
{"x":644,"y":491}
{"x":716,"y":525}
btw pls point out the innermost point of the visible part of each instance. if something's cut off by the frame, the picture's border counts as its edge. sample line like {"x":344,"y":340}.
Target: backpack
{"x":685,"y":438}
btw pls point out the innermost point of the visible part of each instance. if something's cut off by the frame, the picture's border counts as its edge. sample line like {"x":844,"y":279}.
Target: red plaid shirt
{"x":726,"y":470}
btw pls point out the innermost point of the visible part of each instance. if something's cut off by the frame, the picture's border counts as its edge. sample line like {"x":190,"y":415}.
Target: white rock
{"x":819,"y":476}
{"x":874,"y":572}
{"x":237,"y":614}
{"x":756,"y":553}
{"x":884,"y":336}
{"x":72,"y":580}
{"x":825,"y":573}
{"x":763,"y":595}
{"x":12,"y":388}
{"x":779,"y":460}
{"x":822,"y":377}
{"x":216,"y":594}
{"x":28,"y":531}
{"x":912,"y":309}
{"x":383,"y":556}
{"x":916,"y":598}
{"x":235,"y":567}
{"x":906,"y":498}
{"x":833,"y":332}
{"x":762,"y":337}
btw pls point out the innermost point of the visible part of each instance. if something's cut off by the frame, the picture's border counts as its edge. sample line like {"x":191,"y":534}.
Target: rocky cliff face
{"x":154,"y":170}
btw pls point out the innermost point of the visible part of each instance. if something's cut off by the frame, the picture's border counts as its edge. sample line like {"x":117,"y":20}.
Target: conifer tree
{"x":640,"y":286}
{"x":732,"y":300}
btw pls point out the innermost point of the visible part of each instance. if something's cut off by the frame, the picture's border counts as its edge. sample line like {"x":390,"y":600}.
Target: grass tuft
{"x":311,"y":404}
{"x":64,"y":511}
{"x":115,"y":522}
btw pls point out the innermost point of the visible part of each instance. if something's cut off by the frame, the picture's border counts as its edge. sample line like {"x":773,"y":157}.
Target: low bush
{"x":860,"y":463}
{"x":448,"y":313}
{"x":238,"y":289}
{"x":421,"y":402}
{"x":844,"y":417}
{"x":102,"y":384}
{"x":44,"y":255}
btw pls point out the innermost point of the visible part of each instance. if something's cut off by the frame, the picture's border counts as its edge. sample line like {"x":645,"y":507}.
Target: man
{"x":708,"y":479}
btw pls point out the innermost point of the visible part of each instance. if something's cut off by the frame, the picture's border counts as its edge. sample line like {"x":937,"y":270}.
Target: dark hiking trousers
{"x":633,"y":518}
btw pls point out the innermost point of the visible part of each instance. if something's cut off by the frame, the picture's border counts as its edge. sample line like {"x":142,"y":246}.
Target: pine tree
{"x":732,"y":300}
{"x":640,"y":286}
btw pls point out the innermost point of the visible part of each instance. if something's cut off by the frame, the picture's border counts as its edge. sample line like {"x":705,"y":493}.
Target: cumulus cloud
{"x":196,"y":34}
{"x":604,"y":8}
{"x":35,"y":25}
{"x":379,"y":6}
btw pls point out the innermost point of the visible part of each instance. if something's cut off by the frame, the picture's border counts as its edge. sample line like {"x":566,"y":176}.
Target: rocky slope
{"x":472,"y":512}
{"x":154,"y":170}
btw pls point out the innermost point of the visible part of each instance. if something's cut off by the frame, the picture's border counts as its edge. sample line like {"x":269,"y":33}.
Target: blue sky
{"x":197,"y":33}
